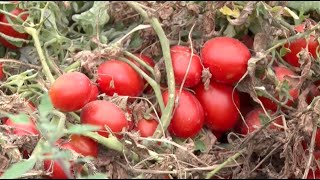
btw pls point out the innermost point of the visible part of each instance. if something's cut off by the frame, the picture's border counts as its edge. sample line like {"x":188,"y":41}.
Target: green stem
{"x":144,"y":64}
{"x":35,"y":35}
{"x":111,"y":142}
{"x":72,"y":66}
{"x":165,"y":45}
{"x":151,"y":81}
{"x":51,"y":63}
{"x":221,"y":166}
{"x":74,"y":115}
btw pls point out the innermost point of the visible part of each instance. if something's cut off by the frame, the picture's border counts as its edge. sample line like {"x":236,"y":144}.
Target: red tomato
{"x":55,"y":169}
{"x":227,"y":59}
{"x":253,"y":121}
{"x":146,"y":128}
{"x":119,"y":77}
{"x":180,"y":56}
{"x":188,"y":117}
{"x":299,"y":44}
{"x":314,"y":175}
{"x":220,"y":112}
{"x":2,"y":75}
{"x":10,"y":31}
{"x":104,"y":113}
{"x":94,"y":93}
{"x":70,"y":92}
{"x":80,"y":144}
{"x":281,"y":73}
{"x":22,"y":129}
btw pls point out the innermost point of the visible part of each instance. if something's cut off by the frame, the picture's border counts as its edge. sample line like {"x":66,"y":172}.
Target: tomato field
{"x":159,"y":89}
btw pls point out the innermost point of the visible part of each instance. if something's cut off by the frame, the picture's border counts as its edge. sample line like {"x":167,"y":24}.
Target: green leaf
{"x":225,"y":10}
{"x":96,"y":176}
{"x":284,"y":51}
{"x":79,"y":129}
{"x":95,"y":16}
{"x":18,"y":169}
{"x":20,"y":118}
{"x":200,"y":145}
{"x":136,"y":41}
{"x":304,"y":5}
{"x":45,"y":106}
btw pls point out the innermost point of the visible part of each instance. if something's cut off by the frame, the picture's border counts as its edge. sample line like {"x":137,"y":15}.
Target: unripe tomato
{"x":188,"y":117}
{"x":299,"y":44}
{"x":227,"y":59}
{"x":147,"y":127}
{"x":70,"y":92}
{"x":181,"y":56}
{"x":281,"y":73}
{"x":103,"y":113}
{"x":119,"y":77}
{"x":253,"y":121}
{"x":220,"y":111}
{"x":10,"y":31}
{"x":22,"y":129}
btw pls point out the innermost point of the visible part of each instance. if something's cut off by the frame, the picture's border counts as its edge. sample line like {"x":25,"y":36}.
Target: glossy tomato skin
{"x":103,"y":113}
{"x":180,"y":56}
{"x":281,"y":74}
{"x":115,"y":76}
{"x":23,"y":129}
{"x":253,"y":121}
{"x":10,"y":31}
{"x":188,"y":117}
{"x":299,"y":44}
{"x":227,"y":59}
{"x":70,"y":92}
{"x":147,"y":127}
{"x":94,"y":93}
{"x":221,"y":114}
{"x":82,"y":145}
{"x":55,"y":168}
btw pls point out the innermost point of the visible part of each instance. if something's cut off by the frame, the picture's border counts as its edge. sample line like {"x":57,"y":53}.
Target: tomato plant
{"x":147,"y":127}
{"x":188,"y":116}
{"x":115,"y":76}
{"x":218,"y":104}
{"x":80,"y":144}
{"x":282,"y":74}
{"x":181,"y":56}
{"x":10,"y":31}
{"x":296,"y":46}
{"x":103,"y":113}
{"x":70,"y":92}
{"x":255,"y":120}
{"x":227,"y":59}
